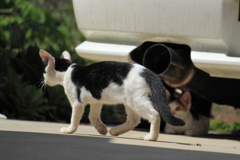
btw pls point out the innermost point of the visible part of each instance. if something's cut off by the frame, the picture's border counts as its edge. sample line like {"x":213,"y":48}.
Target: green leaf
{"x":7,"y":1}
{"x":63,"y":29}
{"x":28,"y":33}
{"x":4,"y":21}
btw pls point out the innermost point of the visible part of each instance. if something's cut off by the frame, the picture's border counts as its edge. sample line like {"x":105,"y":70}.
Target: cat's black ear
{"x":46,"y":57}
{"x":66,"y":55}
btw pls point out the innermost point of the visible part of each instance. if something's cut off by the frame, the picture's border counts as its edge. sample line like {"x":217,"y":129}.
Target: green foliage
{"x":27,"y":25}
{"x":24,"y":29}
{"x":23,"y":101}
{"x":223,"y":127}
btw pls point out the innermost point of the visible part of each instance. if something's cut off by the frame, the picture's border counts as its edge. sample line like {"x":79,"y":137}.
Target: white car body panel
{"x":113,"y":28}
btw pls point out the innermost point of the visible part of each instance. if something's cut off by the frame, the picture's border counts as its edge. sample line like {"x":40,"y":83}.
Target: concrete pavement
{"x":44,"y":137}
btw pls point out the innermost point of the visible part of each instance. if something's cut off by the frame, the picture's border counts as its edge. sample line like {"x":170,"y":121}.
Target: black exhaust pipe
{"x":172,"y":62}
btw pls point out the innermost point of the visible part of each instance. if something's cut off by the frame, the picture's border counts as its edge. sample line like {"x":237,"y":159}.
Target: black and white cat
{"x":139,"y":89}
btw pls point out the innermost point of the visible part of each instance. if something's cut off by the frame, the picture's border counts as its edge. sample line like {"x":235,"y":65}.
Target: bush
{"x":223,"y":127}
{"x":25,"y":29}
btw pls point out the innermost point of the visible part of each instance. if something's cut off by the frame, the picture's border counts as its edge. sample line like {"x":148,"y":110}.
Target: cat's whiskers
{"x":43,"y":85}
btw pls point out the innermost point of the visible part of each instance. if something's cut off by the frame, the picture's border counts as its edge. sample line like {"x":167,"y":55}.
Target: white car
{"x":193,"y":45}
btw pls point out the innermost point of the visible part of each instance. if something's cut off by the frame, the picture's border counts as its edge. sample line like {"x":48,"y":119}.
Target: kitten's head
{"x":55,"y":67}
{"x":181,"y":107}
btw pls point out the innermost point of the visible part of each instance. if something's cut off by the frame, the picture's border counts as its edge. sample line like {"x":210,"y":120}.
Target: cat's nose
{"x":173,"y":113}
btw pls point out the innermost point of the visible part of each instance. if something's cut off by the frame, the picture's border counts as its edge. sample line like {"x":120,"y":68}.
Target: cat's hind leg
{"x":133,"y":120}
{"x":145,"y":109}
{"x":94,"y":117}
{"x":154,"y":119}
{"x":77,"y":112}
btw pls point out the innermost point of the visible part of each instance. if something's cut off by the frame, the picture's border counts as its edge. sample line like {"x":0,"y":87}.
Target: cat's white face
{"x":54,"y":75}
{"x":180,"y":108}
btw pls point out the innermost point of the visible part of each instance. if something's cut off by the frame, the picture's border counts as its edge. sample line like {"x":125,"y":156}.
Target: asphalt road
{"x":41,"y":146}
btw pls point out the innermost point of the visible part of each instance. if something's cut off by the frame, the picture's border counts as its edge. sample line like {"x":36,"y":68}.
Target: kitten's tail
{"x":159,"y":103}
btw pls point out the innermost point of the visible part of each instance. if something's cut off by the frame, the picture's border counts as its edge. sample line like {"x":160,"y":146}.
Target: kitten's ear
{"x":186,"y":99}
{"x":66,"y":55}
{"x":168,"y":95}
{"x":46,"y":57}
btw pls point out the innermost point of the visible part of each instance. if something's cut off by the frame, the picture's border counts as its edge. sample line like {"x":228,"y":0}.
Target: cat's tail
{"x":157,"y":90}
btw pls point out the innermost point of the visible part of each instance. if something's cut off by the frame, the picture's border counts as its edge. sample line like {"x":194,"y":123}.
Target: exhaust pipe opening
{"x":169,"y":64}
{"x":156,"y":62}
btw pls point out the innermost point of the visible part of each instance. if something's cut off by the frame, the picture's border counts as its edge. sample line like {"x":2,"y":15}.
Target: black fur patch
{"x":98,"y":76}
{"x":78,"y":95}
{"x":61,"y":65}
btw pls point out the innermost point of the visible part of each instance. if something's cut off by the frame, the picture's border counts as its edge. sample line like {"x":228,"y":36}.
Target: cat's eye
{"x":178,"y":109}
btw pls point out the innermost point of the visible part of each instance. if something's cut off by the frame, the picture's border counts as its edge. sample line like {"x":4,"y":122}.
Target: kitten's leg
{"x":169,"y":130}
{"x":133,"y":120}
{"x":77,"y":112}
{"x":191,"y":132}
{"x":94,"y":117}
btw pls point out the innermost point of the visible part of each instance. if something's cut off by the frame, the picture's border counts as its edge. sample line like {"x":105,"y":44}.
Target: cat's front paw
{"x":150,"y":137}
{"x":67,"y":130}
